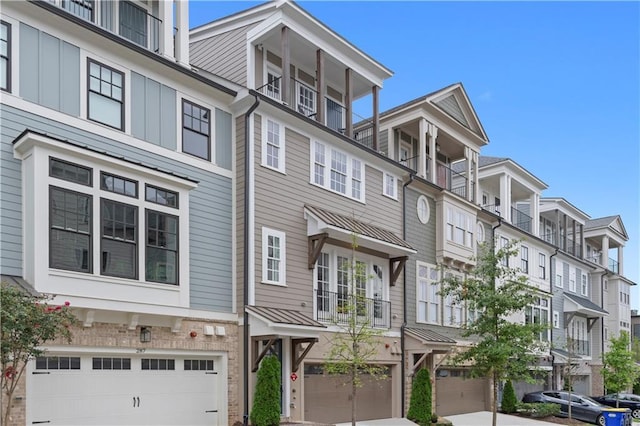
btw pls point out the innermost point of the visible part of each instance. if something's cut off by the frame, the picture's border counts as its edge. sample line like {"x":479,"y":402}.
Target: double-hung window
{"x":584,"y":285}
{"x":524,"y":259}
{"x":105,"y":95}
{"x":273,"y":257}
{"x":273,"y":83}
{"x":504,"y":242}
{"x":5,"y":56}
{"x":428,"y":297}
{"x":572,"y":282}
{"x":125,"y":219}
{"x":273,"y":154}
{"x":196,"y":130}
{"x":337,"y":171}
{"x":459,"y":227}
{"x":390,"y":186}
{"x":538,"y":313}
{"x":542,"y":266}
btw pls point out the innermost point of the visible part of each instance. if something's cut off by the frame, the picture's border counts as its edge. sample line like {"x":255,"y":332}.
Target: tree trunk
{"x":353,"y":396}
{"x":494,"y":405}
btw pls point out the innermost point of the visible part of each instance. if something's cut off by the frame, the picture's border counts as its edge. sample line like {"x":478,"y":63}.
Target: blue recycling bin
{"x":617,"y":417}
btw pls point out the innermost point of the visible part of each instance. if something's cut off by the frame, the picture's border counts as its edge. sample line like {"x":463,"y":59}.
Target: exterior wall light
{"x":145,"y":334}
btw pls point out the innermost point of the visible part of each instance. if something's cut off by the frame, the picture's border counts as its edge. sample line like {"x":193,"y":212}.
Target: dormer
{"x":281,"y":51}
{"x":439,"y":136}
{"x":510,"y":191}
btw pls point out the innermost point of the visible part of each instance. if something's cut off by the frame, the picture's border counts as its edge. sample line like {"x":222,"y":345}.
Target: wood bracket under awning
{"x":591,"y":322}
{"x":316,"y":242}
{"x":296,"y":346}
{"x":255,"y":343}
{"x":396,"y":264}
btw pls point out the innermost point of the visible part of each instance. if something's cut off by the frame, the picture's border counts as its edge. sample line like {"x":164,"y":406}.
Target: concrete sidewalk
{"x":484,"y":418}
{"x":481,"y":418}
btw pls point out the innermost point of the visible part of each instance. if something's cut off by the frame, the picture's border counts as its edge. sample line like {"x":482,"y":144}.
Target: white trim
{"x":282,"y":258}
{"x":427,"y":299}
{"x":281,"y":168}
{"x":251,"y":229}
{"x":180,"y":98}
{"x":393,"y":183}
{"x":349,"y":179}
{"x":426,"y":212}
{"x":556,"y":319}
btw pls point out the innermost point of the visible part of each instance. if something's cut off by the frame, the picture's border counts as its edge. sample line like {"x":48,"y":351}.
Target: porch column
{"x":505,"y":199}
{"x":574,"y":238}
{"x":534,"y":211}
{"x":182,"y":36}
{"x":286,"y":66}
{"x":620,"y":260}
{"x":604,"y":258}
{"x":476,"y":177}
{"x":348,"y":102}
{"x":165,"y":10}
{"x":468,"y":155}
{"x":433,"y":135}
{"x":375,"y":91}
{"x":320,"y":103}
{"x":422,"y":148}
{"x":582,"y":245}
{"x":565,"y":225}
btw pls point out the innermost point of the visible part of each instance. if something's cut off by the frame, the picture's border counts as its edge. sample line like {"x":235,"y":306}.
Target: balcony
{"x":521,"y":220}
{"x":335,"y":308}
{"x":614,"y":266}
{"x":453,"y":181}
{"x":126,"y":19}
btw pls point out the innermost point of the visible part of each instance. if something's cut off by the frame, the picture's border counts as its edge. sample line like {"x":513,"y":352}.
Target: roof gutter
{"x":404,"y":297}
{"x":245,"y":261}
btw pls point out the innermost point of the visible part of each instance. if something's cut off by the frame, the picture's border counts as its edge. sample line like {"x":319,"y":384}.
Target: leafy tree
{"x":504,"y":348}
{"x":420,"y":404}
{"x":356,"y":345}
{"x":509,"y":399}
{"x":27,"y":322}
{"x":619,"y":369}
{"x":266,"y":401}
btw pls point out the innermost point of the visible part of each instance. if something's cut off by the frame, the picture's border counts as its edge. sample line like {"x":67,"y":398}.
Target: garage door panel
{"x":124,"y":397}
{"x":458,"y":394}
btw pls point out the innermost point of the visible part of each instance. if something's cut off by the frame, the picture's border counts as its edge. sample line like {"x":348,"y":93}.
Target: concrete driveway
{"x":484,"y":418}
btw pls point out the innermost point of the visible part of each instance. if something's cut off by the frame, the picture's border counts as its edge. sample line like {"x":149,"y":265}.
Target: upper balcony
{"x":148,"y":24}
{"x":281,"y":51}
{"x":605,"y":238}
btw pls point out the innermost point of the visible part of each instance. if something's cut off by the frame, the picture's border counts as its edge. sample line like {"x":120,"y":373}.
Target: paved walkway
{"x":481,"y":418}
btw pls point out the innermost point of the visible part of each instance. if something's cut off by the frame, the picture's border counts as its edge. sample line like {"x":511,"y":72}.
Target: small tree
{"x":420,"y":404}
{"x":509,"y":399}
{"x":356,"y":345}
{"x":619,"y":369}
{"x":504,"y":348}
{"x":28,"y":322}
{"x":266,"y":401}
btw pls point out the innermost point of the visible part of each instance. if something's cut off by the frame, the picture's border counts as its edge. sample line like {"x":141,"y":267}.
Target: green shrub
{"x":434,"y":418}
{"x":509,"y":400}
{"x":420,"y":404}
{"x":266,"y":400}
{"x":537,"y":409}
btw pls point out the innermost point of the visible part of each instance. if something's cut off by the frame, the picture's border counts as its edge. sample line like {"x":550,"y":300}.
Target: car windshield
{"x":590,"y":401}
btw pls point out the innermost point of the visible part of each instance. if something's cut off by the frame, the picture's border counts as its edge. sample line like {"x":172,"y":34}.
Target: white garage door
{"x":123,"y":390}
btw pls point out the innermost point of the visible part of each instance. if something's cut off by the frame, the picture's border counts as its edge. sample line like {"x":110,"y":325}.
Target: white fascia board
{"x":25,"y":145}
{"x":519,"y":174}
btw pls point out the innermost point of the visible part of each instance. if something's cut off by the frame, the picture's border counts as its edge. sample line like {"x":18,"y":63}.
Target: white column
{"x":422,"y":148}
{"x":391,"y":145}
{"x":620,"y":260}
{"x":166,"y":30}
{"x":433,"y":135}
{"x":468,"y":155}
{"x":476,"y":178}
{"x":182,"y":36}
{"x":505,"y":197}
{"x":604,"y":261}
{"x":534,"y":212}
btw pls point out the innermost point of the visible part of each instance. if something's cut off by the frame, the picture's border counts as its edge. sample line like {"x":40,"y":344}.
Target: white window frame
{"x":267,"y":143}
{"x":556,"y":319}
{"x":524,"y":259}
{"x":541,"y":306}
{"x":427,"y":302}
{"x":584,"y":285}
{"x":282,"y":259}
{"x":504,"y":242}
{"x":559,"y":282}
{"x":321,"y":171}
{"x":542,"y":266}
{"x":572,"y":282}
{"x":277,"y":73}
{"x":452,"y":311}
{"x":390,"y":185}
{"x":423,"y":210}
{"x":480,"y":233}
{"x":459,"y":227}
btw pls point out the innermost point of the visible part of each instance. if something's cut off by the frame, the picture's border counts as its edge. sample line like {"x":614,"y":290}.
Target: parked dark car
{"x":582,"y":407}
{"x":627,"y":400}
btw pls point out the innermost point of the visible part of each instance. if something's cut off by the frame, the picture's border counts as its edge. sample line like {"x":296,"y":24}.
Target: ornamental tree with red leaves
{"x":27,"y":323}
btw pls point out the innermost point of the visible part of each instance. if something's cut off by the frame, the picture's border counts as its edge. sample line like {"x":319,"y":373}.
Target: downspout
{"x":604,"y":274}
{"x":493,"y":249}
{"x":404,"y":296}
{"x":245,"y":261}
{"x":551,"y":276}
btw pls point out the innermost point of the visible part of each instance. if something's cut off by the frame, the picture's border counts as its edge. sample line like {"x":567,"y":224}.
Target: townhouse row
{"x":194,"y":196}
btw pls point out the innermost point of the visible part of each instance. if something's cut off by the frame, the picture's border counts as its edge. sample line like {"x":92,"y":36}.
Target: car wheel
{"x":636,"y":413}
{"x":601,"y":421}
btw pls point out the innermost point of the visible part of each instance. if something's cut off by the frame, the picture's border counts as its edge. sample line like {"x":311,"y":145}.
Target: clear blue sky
{"x":556,"y":85}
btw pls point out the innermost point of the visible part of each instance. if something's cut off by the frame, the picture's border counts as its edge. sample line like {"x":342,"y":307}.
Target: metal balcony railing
{"x":521,"y":220}
{"x":451,"y":180}
{"x":614,"y":266}
{"x":338,"y":308}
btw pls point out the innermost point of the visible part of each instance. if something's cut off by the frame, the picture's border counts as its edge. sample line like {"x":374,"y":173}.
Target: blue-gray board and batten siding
{"x":210,"y":207}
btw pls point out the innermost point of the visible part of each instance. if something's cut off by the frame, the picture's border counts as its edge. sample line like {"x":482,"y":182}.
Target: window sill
{"x":394,"y":198}
{"x":362,"y":201}
{"x":274,"y":283}
{"x":282,"y":172}
{"x":112,"y":280}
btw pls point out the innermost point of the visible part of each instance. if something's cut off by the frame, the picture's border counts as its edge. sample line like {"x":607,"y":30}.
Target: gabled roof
{"x":429,"y":336}
{"x":453,"y":102}
{"x":584,"y":306}
{"x":487,"y":162}
{"x":562,"y":202}
{"x":360,"y":228}
{"x":611,"y":222}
